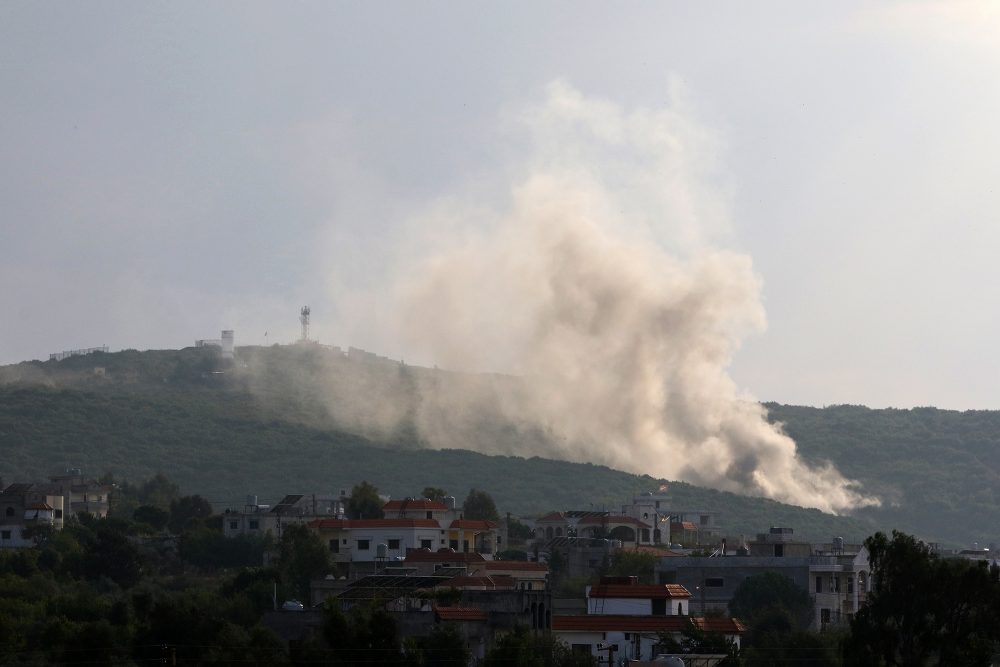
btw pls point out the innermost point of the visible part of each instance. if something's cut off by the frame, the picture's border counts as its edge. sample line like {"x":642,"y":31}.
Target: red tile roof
{"x":551,"y":517}
{"x":726,"y":626}
{"x":621,"y":623}
{"x":683,"y":525}
{"x":417,"y":504}
{"x":461,"y":614}
{"x":613,"y":521}
{"x":443,"y":556}
{"x":40,"y":506}
{"x":640,"y":591}
{"x":473,"y":524}
{"x":330,"y":524}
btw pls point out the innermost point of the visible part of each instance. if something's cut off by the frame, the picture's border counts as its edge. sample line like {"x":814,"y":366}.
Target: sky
{"x":168,"y":170}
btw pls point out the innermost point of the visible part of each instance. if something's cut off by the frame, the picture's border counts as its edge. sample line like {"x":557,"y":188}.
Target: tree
{"x":443,"y":647}
{"x":761,"y":595}
{"x":434,"y":493}
{"x":633,"y":564}
{"x":695,"y":640}
{"x":187,"y":509}
{"x":302,"y":556}
{"x":480,"y":505}
{"x":924,"y":609}
{"x":526,"y":649}
{"x":518,"y":533}
{"x":152,"y":516}
{"x":365,"y":636}
{"x":158,"y":491}
{"x":364,"y":502}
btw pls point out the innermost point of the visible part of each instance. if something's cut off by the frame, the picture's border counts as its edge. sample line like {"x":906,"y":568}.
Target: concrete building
{"x":625,"y":618}
{"x":836,"y":576}
{"x":25,"y":507}
{"x":80,"y":493}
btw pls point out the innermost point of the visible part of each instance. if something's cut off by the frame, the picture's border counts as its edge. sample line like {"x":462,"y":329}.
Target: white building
{"x":625,"y":618}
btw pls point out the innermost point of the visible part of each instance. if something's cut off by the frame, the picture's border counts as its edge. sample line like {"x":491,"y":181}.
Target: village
{"x":612,"y":584}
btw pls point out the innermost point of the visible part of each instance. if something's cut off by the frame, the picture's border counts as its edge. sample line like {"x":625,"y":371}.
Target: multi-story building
{"x":836,"y":576}
{"x":625,"y":619}
{"x":81,"y":494}
{"x":25,"y":507}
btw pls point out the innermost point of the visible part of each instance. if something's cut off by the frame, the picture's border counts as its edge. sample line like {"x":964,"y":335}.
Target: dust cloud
{"x":602,"y":290}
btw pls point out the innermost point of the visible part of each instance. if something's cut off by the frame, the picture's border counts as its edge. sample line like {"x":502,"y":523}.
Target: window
{"x":233,"y":525}
{"x":465,"y":546}
{"x":10,"y":511}
{"x":581,"y":649}
{"x":59,"y":514}
{"x":680,"y":608}
{"x":850,"y":585}
{"x":394,"y":544}
{"x":714,"y":582}
{"x":363,"y":545}
{"x":835,"y":584}
{"x":345,"y":541}
{"x":645,"y":534}
{"x":558,"y":532}
{"x":453,"y":544}
{"x":657,"y":504}
{"x":645,"y":515}
{"x":659,"y":607}
{"x":426,"y":544}
{"x":819,"y":584}
{"x":705,"y":519}
{"x":335,"y":546}
{"x":779,"y":550}
{"x":4,"y":534}
{"x":254,"y":524}
{"x":430,"y":515}
{"x":824,"y":615}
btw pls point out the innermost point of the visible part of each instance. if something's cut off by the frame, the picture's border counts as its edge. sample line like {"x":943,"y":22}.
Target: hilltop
{"x":272,"y":422}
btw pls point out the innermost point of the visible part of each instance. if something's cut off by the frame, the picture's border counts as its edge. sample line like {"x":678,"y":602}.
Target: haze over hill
{"x":263,"y":426}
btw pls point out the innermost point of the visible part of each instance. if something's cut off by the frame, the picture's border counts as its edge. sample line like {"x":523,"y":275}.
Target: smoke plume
{"x":601,"y":284}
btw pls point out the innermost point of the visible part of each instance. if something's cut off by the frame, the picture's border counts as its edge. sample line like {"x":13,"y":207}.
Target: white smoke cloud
{"x":602,"y":283}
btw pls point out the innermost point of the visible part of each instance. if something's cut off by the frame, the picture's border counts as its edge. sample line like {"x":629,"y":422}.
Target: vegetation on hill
{"x":938,"y":471}
{"x":273,"y":423}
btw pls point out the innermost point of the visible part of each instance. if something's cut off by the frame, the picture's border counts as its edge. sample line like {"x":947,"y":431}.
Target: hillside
{"x":273,"y":423}
{"x":937,"y":470}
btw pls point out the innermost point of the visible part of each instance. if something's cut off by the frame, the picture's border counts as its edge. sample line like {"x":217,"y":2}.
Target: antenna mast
{"x":304,"y":320}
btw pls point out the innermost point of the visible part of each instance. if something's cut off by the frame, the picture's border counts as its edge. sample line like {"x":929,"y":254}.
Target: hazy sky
{"x":171,"y":169}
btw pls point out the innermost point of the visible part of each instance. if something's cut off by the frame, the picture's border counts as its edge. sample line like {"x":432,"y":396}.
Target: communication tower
{"x":304,"y":319}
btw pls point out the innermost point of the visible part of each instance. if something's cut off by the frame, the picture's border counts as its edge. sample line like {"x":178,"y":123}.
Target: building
{"x":257,"y":519}
{"x":81,"y":494}
{"x":226,"y":343}
{"x":625,"y":618}
{"x":25,"y":507}
{"x":836,"y":576}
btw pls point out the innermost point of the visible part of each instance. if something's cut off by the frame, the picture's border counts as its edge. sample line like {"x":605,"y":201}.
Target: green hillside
{"x":272,"y":423}
{"x":938,"y":470}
